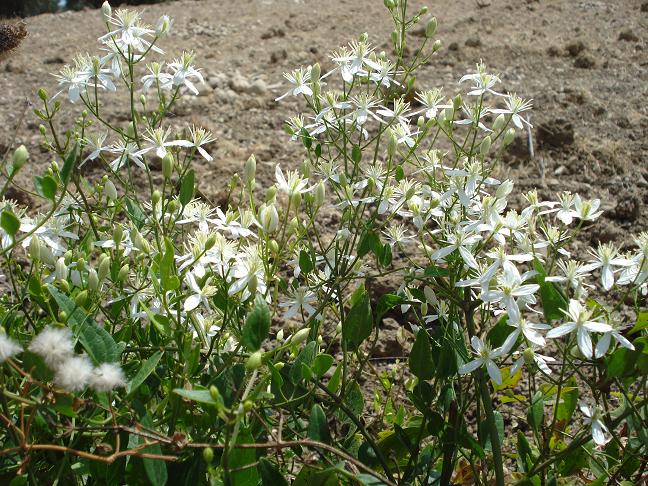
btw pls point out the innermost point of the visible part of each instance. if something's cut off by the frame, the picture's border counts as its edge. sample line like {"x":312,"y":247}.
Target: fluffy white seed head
{"x":54,"y":345}
{"x":106,"y":377}
{"x":74,"y":373}
{"x":8,"y":347}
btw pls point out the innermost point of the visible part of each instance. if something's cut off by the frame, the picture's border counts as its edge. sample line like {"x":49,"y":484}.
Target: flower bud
{"x":423,"y":11}
{"x":456,"y":102}
{"x":271,"y":194}
{"x":155,"y":197}
{"x":122,"y":276}
{"x":81,"y":264}
{"x":62,"y":316}
{"x":528,"y":356}
{"x":363,"y":37}
{"x":252,"y":284}
{"x":42,"y":94}
{"x":254,"y":361}
{"x":320,"y":194}
{"x":104,"y":268}
{"x":392,"y":144}
{"x":394,"y":38}
{"x":504,"y":189}
{"x":508,"y":137}
{"x":20,"y":156}
{"x":93,"y":280}
{"x":499,"y":123}
{"x":167,"y":165}
{"x":118,"y":235}
{"x":296,"y":200}
{"x":431,"y":27}
{"x":208,"y":455}
{"x":274,"y":247}
{"x":34,"y":249}
{"x":342,"y":179}
{"x":210,"y":242}
{"x":172,"y":207}
{"x":106,"y":11}
{"x":316,"y":72}
{"x":485,"y":146}
{"x":130,"y":131}
{"x":269,"y":218}
{"x":436,"y":46}
{"x":300,"y":336}
{"x":293,"y":226}
{"x":61,"y":269}
{"x":390,"y":4}
{"x":215,"y":394}
{"x":163,"y":26}
{"x":110,"y":190}
{"x":420,"y":121}
{"x":306,"y":168}
{"x":250,"y":169}
{"x":81,"y":298}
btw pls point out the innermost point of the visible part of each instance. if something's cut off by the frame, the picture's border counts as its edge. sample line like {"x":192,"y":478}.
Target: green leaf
{"x":168,"y":279}
{"x":257,"y":326}
{"x":270,"y":474}
{"x":535,"y":414}
{"x":568,"y":401}
{"x":386,"y":256}
{"x":318,"y":428}
{"x":421,"y":363}
{"x":387,"y":302}
{"x":98,"y":343}
{"x":9,"y":222}
{"x":640,"y":325}
{"x":306,"y":357}
{"x":187,"y":187}
{"x":305,"y":262}
{"x":156,"y":470}
{"x":359,"y":322}
{"x":399,"y":173}
{"x":553,"y":302}
{"x":369,"y":241}
{"x":307,"y":140}
{"x":46,"y":186}
{"x":68,"y":165}
{"x":239,"y":458}
{"x":322,"y":364}
{"x":200,"y":396}
{"x":147,"y":368}
{"x":356,"y":154}
{"x":525,"y":456}
{"x":134,"y":212}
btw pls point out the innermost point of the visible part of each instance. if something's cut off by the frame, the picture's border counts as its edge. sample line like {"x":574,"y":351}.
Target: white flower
{"x":510,"y":288}
{"x":606,"y":257}
{"x":128,"y":31}
{"x":587,"y":210}
{"x":74,"y":373}
{"x":157,"y":77}
{"x":157,"y":140}
{"x":199,"y":212}
{"x":125,"y":151}
{"x":605,"y":340}
{"x":248,"y":269}
{"x":200,"y":295}
{"x":530,"y":330}
{"x":539,"y":359}
{"x":184,"y":73}
{"x":302,"y":298}
{"x":485,"y":357}
{"x":432,"y":103}
{"x":582,"y":324}
{"x":106,"y":377}
{"x":291,"y":185}
{"x":53,"y":344}
{"x":595,"y":418}
{"x":354,"y":59}
{"x":301,"y":79}
{"x":8,"y":347}
{"x":462,"y":241}
{"x":514,"y":106}
{"x":483,"y":81}
{"x":96,"y":143}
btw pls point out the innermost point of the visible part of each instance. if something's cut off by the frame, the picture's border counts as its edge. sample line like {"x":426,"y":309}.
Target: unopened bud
{"x":106,"y":11}
{"x":499,"y":123}
{"x":390,"y":4}
{"x":504,"y":189}
{"x":363,"y":37}
{"x":296,"y":199}
{"x":163,"y":25}
{"x":269,"y":218}
{"x":61,"y":269}
{"x":208,"y":455}
{"x":20,"y":156}
{"x":320,"y":194}
{"x":104,"y":268}
{"x":250,"y":169}
{"x":392,"y":144}
{"x":172,"y":207}
{"x":155,"y":197}
{"x":211,"y":241}
{"x":93,"y":280}
{"x":34,"y":248}
{"x":110,"y":190}
{"x":271,"y":194}
{"x":485,"y":146}
{"x":300,"y":336}
{"x":215,"y":394}
{"x":81,"y":298}
{"x":274,"y":247}
{"x":528,"y":356}
{"x":254,"y":361}
{"x":316,"y":72}
{"x":118,"y":235}
{"x":456,"y":102}
{"x":508,"y":137}
{"x":306,"y":168}
{"x":252,"y":284}
{"x":130,"y":131}
{"x":167,"y":165}
{"x":123,"y":273}
{"x":431,"y":27}
{"x":81,"y":264}
{"x":436,"y":46}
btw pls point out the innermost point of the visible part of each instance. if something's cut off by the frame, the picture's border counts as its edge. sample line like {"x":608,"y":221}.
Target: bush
{"x":150,"y":336}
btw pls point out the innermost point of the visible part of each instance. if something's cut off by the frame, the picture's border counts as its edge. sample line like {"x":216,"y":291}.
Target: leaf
{"x":386,"y":256}
{"x":147,"y":368}
{"x":552,"y":300}
{"x":305,"y":262}
{"x":421,"y":363}
{"x":306,"y":357}
{"x":318,"y":428}
{"x":307,"y":140}
{"x":322,"y":364}
{"x":535,"y":414}
{"x":387,"y":302}
{"x":640,"y":325}
{"x":399,"y":173}
{"x":257,"y":326}
{"x":46,"y":186}
{"x":68,"y":165}
{"x":200,"y":396}
{"x":134,"y":212}
{"x":98,"y":343}
{"x":568,"y":401}
{"x":168,"y":279}
{"x":187,"y":187}
{"x":9,"y":222}
{"x":369,"y":241}
{"x":525,"y":456}
{"x":156,"y":470}
{"x":356,"y":154}
{"x":270,"y":474}
{"x":359,"y":322}
{"x":239,"y":458}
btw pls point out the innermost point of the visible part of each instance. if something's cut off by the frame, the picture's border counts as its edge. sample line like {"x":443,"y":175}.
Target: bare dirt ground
{"x":585,"y":64}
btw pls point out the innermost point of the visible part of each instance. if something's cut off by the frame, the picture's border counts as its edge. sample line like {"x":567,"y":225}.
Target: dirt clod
{"x":556,"y":134}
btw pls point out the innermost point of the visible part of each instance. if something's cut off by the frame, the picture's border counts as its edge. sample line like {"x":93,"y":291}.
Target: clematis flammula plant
{"x":594,"y":417}
{"x":582,"y":323}
{"x":485,"y":357}
{"x":606,"y":257}
{"x":293,"y":184}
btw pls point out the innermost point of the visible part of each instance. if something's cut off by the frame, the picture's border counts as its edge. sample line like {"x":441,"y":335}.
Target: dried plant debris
{"x":11,"y":35}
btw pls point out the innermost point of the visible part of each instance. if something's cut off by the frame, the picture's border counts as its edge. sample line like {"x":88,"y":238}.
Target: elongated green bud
{"x":208,"y":455}
{"x":392,"y":144}
{"x":61,"y":269}
{"x":20,"y":156}
{"x":104,"y":268}
{"x":250,"y":169}
{"x":456,"y":102}
{"x":110,"y":190}
{"x":106,"y":11}
{"x":81,"y":298}
{"x":34,"y":249}
{"x":123,"y":273}
{"x":320,"y":194}
{"x":431,"y":27}
{"x":167,"y":165}
{"x":508,"y":136}
{"x":118,"y":235}
{"x":300,"y":336}
{"x":485,"y":146}
{"x":215,"y":394}
{"x":499,"y":123}
{"x":316,"y":72}
{"x":93,"y":280}
{"x":254,"y":361}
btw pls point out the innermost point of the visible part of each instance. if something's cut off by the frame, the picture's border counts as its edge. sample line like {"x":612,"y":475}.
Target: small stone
{"x":584,"y":62}
{"x":556,"y":134}
{"x":628,"y":208}
{"x":239,"y":84}
{"x":628,"y":36}
{"x":560,"y":170}
{"x":453,"y":46}
{"x":473,"y":42}
{"x":278,"y":56}
{"x":258,"y":87}
{"x":554,"y":51}
{"x":575,"y":48}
